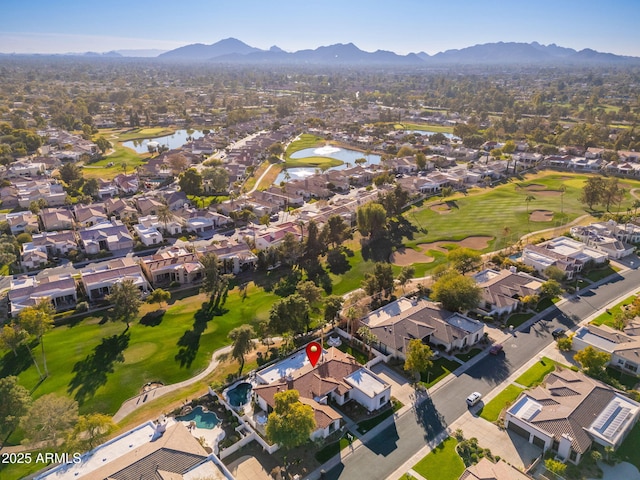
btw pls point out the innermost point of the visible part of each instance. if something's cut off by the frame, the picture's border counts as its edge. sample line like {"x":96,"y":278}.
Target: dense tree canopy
{"x":456,"y":292}
{"x":291,"y":422}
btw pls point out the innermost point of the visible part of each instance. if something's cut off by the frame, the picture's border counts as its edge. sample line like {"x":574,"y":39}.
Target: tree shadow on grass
{"x":189,"y":343}
{"x":91,"y":373}
{"x":11,"y":364}
{"x":153,"y":319}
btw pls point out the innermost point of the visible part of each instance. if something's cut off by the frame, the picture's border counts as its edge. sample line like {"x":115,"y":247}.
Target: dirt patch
{"x":541,"y":216}
{"x":441,"y":208}
{"x":408,"y":256}
{"x":476,"y":243}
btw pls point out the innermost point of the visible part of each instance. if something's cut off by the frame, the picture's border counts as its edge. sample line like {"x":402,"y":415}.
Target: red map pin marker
{"x":314,"y":350}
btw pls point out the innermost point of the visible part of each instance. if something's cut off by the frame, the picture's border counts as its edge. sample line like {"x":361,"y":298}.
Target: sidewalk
{"x":139,"y":400}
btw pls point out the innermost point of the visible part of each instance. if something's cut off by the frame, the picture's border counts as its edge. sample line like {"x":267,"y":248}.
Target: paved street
{"x":388,"y":452}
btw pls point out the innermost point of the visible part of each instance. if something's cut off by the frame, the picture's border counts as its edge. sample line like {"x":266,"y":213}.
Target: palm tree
{"x":506,"y":231}
{"x":165,"y":215}
{"x":528,"y":200}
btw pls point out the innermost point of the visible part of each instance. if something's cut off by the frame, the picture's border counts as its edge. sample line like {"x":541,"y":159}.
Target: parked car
{"x":474,"y":398}
{"x":496,"y":349}
{"x":558,"y":332}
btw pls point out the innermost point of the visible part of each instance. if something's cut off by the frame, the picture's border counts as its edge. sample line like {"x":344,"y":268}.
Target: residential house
{"x":175,"y":199}
{"x":337,"y":377}
{"x":570,"y":412}
{"x":109,"y":236}
{"x":127,"y":184}
{"x":88,"y":215}
{"x":274,"y":235}
{"x":166,"y":450}
{"x":56,"y":219}
{"x":50,"y":243}
{"x":119,"y":209}
{"x":569,"y":255}
{"x":99,"y":278}
{"x":623,"y":346}
{"x":399,"y":322}
{"x":32,"y":191}
{"x":26,"y":168}
{"x":502,"y":291}
{"x":603,"y":236}
{"x":172,"y":227}
{"x":26,"y":291}
{"x":148,"y":205}
{"x":174,"y":264}
{"x":235,"y":256}
{"x":20,"y":222}
{"x":106,"y":189}
{"x":9,"y":196}
{"x":148,"y":236}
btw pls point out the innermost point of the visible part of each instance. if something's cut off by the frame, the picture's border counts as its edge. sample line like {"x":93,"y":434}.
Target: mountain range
{"x":232,"y":50}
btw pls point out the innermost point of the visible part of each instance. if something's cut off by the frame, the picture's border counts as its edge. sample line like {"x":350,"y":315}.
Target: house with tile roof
{"x":623,"y":346}
{"x":567,"y":254}
{"x":502,"y":290}
{"x":570,"y":412}
{"x":109,"y":236}
{"x":99,"y":278}
{"x":399,"y":322}
{"x":173,"y":264}
{"x":26,"y":291}
{"x":337,"y":377}
{"x":56,"y":219}
{"x":148,"y":452}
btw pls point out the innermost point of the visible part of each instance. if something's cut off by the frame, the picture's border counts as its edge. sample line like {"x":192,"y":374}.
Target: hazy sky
{"x":402,"y":26}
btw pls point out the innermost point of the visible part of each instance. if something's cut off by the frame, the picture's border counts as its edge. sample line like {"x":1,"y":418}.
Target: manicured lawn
{"x":440,"y":369}
{"x":487,"y":211}
{"x":599,"y":274}
{"x":101,"y":366}
{"x":465,"y":357}
{"x":121,"y":155}
{"x":322,"y":163}
{"x":442,"y":463}
{"x":306,"y":140}
{"x":606,"y":318}
{"x":423,"y":127}
{"x":536,"y":373}
{"x":332,"y":449}
{"x":351,"y":279}
{"x":491,"y":410}
{"x":518,"y":319}
{"x":629,"y":451}
{"x":629,"y":381}
{"x":368,"y":424}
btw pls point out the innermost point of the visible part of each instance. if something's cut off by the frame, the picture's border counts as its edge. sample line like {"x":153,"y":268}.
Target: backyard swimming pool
{"x":201,"y":418}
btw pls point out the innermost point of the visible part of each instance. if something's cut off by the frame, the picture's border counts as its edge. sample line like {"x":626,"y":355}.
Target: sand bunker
{"x":541,"y":216}
{"x":542,"y":190}
{"x":476,"y":243}
{"x":441,"y":208}
{"x":408,"y":256}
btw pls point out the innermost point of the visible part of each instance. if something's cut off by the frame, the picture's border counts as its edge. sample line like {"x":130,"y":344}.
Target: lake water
{"x":176,"y":140}
{"x":345,"y":155}
{"x":425,"y":132}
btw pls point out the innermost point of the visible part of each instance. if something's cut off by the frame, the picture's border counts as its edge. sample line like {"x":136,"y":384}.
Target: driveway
{"x":508,"y":445}
{"x":620,"y":470}
{"x":248,"y":468}
{"x":400,"y":386}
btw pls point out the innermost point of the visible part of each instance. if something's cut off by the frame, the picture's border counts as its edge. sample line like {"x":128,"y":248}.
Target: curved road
{"x":382,"y":455}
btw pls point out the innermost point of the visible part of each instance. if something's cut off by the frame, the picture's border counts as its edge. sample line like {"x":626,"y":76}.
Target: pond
{"x":345,"y":155}
{"x":426,"y":132}
{"x":175,"y":140}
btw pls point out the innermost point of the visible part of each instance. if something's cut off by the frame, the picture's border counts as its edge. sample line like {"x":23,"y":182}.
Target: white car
{"x":474,"y":398}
